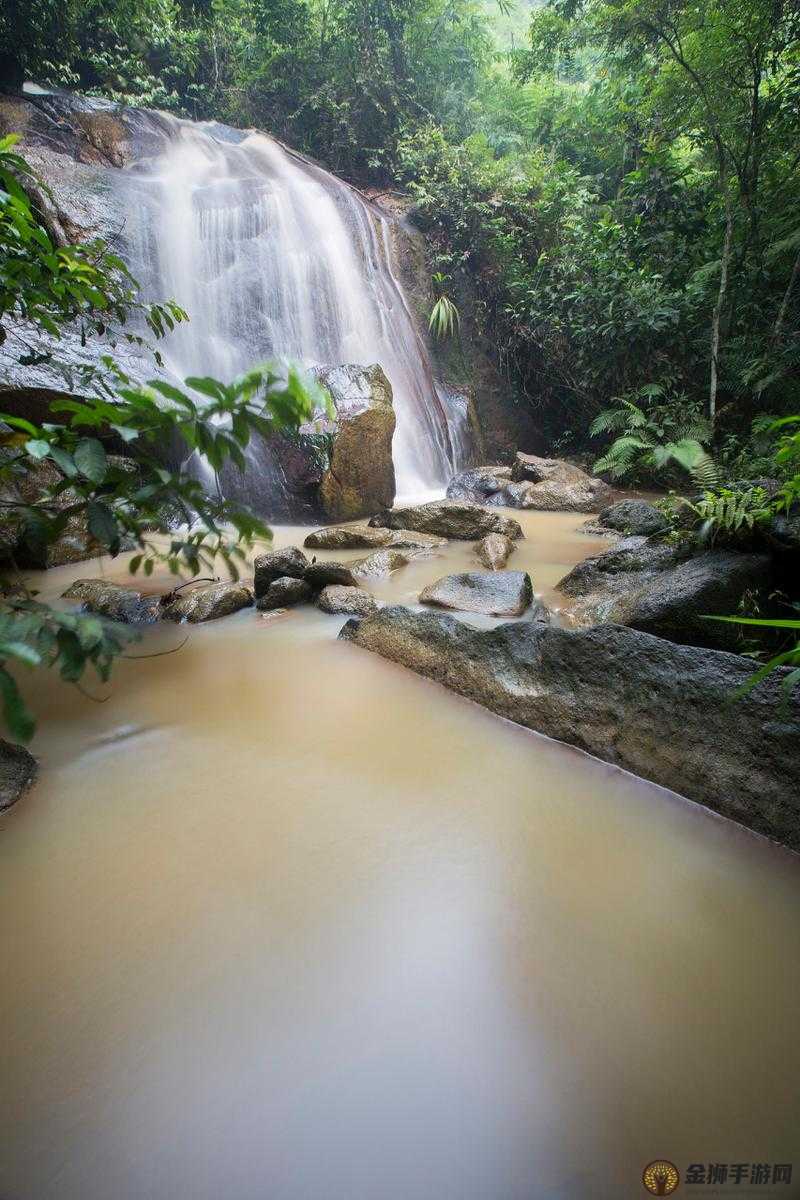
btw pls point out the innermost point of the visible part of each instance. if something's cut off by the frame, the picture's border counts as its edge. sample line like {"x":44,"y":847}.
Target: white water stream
{"x":274,"y":257}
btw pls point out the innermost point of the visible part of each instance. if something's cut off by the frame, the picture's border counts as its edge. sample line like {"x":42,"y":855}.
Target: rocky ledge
{"x":660,"y":710}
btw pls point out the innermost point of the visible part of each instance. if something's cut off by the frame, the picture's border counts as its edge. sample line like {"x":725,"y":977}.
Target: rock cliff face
{"x":658,"y":709}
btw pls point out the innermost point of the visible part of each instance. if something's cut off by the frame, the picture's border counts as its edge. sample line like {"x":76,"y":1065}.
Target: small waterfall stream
{"x":273,"y":257}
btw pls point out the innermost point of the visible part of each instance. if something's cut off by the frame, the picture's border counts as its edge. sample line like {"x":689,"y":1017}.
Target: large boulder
{"x":494,"y":593}
{"x":284,"y":592}
{"x":479,"y":484}
{"x":18,"y":769}
{"x":494,"y":550}
{"x":633,"y":517}
{"x":554,"y":485}
{"x":277,"y":564}
{"x":338,"y":599}
{"x":360,"y":475}
{"x":125,"y":604}
{"x":208,"y":602}
{"x":655,"y":708}
{"x":448,"y":519}
{"x":655,"y":588}
{"x":364,"y":537}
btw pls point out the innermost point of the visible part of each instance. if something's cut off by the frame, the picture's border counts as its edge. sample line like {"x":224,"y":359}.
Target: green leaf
{"x":38,"y":448}
{"x":20,"y":651}
{"x":18,"y":719}
{"x":90,"y":459}
{"x":64,"y":461}
{"x":102,"y":525}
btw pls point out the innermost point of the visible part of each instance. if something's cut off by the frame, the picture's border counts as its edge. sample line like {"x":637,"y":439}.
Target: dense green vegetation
{"x":621,"y":187}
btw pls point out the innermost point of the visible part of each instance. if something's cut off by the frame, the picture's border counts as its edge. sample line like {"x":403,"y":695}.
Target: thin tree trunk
{"x":784,"y":308}
{"x":717,"y":316}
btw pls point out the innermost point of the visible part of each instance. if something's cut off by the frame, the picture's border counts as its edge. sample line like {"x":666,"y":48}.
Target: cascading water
{"x":275,"y":258}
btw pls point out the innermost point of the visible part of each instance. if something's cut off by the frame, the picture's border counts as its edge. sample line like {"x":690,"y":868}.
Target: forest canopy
{"x":616,"y":182}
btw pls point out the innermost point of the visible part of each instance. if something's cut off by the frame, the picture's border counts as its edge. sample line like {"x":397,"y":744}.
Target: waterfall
{"x":274,"y":257}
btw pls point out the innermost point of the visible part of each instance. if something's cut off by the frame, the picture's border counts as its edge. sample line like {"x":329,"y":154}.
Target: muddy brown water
{"x":283,"y":921}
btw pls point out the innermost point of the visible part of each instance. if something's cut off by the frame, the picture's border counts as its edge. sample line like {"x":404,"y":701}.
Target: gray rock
{"x":494,"y":550}
{"x":208,"y":602}
{"x":284,"y":593}
{"x":381,"y":563}
{"x":657,"y":709}
{"x":124,"y":604}
{"x":364,"y":537}
{"x":337,"y":599}
{"x":479,"y":484}
{"x":277,"y":564}
{"x":448,"y":519}
{"x":321,"y":574}
{"x":553,"y":485}
{"x":655,"y":588}
{"x":634,"y":517}
{"x":494,"y":593}
{"x":18,"y":770}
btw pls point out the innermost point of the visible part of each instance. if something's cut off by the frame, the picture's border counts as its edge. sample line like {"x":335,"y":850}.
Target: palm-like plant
{"x":444,"y":319}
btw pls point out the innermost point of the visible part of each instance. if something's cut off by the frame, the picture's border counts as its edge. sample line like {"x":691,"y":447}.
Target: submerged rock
{"x":448,"y":519}
{"x":112,"y":600}
{"x":284,"y":593}
{"x":633,"y":517}
{"x":277,"y":564}
{"x":208,"y":602}
{"x":338,"y":599}
{"x":381,"y":563}
{"x":657,"y":709}
{"x":494,"y":550}
{"x":18,"y":770}
{"x":494,"y":593}
{"x":365,"y":537}
{"x":360,"y":473}
{"x":656,"y":588}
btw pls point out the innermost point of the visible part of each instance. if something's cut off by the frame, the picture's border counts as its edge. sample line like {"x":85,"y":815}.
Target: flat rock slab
{"x":112,"y":600}
{"x":364,"y":537}
{"x":660,"y":710}
{"x":448,"y":519}
{"x":208,"y":602}
{"x":18,"y":769}
{"x":494,"y":593}
{"x":336,"y":599}
{"x":284,"y":593}
{"x":494,"y":550}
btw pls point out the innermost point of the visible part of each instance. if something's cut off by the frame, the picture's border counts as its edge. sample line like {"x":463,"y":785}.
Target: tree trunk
{"x":784,"y":308}
{"x":717,"y":316}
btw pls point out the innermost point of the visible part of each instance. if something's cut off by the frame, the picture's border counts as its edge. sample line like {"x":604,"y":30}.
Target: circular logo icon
{"x":661,"y":1178}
